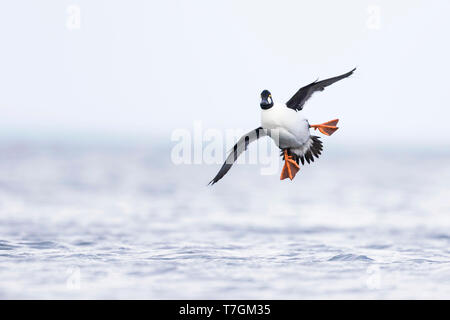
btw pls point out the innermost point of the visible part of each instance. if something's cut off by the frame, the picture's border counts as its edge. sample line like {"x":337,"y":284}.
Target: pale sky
{"x":148,"y":67}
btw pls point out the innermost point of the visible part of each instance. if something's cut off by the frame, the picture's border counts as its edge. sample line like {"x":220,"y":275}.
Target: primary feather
{"x":303,"y":94}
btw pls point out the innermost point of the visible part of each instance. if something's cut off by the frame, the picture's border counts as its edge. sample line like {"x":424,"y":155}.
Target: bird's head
{"x":266,"y":100}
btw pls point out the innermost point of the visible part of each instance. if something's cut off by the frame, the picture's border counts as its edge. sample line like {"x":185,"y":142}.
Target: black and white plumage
{"x":303,"y":94}
{"x":238,"y":148}
{"x":287,"y":127}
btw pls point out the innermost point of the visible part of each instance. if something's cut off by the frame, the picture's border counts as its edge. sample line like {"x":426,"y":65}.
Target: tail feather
{"x":302,"y":159}
{"x":316,"y":146}
{"x":308,"y":156}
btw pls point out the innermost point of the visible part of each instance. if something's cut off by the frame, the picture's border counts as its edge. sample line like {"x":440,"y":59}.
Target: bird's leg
{"x":327,"y":128}
{"x":290,"y":167}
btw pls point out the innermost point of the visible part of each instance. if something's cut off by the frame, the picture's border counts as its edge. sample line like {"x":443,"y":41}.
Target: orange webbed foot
{"x":327,"y":128}
{"x":290,"y":167}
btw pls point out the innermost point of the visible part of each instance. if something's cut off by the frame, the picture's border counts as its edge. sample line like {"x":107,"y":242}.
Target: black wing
{"x":238,"y":148}
{"x":302,"y":95}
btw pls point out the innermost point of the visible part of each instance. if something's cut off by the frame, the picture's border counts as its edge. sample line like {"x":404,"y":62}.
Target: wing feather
{"x":303,"y":94}
{"x":238,"y":148}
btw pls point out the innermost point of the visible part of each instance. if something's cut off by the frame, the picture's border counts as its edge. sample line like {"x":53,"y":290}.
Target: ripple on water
{"x":350,"y":257}
{"x":378,"y":246}
{"x":83,"y":243}
{"x":5,"y":245}
{"x":42,"y":244}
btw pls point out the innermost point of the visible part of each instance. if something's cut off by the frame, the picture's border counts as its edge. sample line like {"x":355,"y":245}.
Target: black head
{"x":266,"y":100}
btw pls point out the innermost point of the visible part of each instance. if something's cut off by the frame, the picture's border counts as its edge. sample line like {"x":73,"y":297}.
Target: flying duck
{"x":288,"y":128}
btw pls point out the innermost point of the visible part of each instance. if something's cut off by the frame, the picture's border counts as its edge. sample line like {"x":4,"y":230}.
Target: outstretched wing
{"x":238,"y":148}
{"x":302,"y":95}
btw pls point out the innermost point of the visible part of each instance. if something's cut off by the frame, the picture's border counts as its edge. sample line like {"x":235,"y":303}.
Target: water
{"x":108,"y":221}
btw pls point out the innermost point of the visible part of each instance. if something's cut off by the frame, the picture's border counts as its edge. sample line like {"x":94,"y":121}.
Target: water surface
{"x":123,"y":222}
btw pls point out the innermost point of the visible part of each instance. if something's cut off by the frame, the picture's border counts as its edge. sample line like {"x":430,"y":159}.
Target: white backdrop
{"x":141,"y":68}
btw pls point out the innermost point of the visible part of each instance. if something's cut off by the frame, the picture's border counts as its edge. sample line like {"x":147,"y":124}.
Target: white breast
{"x":293,"y":128}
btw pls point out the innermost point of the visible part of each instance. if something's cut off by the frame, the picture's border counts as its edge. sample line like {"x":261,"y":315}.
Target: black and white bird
{"x":288,"y":128}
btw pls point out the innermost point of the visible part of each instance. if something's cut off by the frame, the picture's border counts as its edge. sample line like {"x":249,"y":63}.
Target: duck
{"x":287,"y":126}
